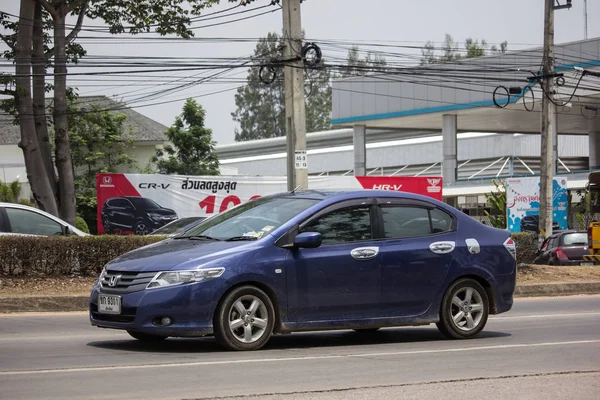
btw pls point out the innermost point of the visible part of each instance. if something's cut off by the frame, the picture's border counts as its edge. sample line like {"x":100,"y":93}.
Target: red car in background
{"x":564,"y":248}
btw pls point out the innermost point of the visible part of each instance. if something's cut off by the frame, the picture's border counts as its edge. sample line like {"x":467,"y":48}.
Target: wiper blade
{"x":240,"y":238}
{"x":198,"y":237}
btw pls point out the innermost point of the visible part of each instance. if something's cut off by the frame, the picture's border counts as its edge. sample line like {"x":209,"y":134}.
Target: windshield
{"x":251,"y":220}
{"x":177,"y":225}
{"x":575,"y":238}
{"x":141,"y":202}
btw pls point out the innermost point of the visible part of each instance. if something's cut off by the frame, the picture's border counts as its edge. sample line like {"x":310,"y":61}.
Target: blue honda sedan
{"x":312,"y":260}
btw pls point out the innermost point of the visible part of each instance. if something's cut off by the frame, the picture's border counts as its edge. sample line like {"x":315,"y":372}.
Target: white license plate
{"x":109,"y":304}
{"x":586,"y":264}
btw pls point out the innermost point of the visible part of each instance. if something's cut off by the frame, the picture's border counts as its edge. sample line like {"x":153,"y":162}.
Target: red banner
{"x":129,"y":203}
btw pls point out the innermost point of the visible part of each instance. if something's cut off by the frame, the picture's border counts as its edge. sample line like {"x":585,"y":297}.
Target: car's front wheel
{"x":145,"y":337}
{"x":244,"y":319}
{"x":464,"y":311}
{"x":141,"y":228}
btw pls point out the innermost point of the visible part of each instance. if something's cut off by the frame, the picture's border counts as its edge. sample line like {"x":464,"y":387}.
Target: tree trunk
{"x":63,"y":160}
{"x":39,"y":97}
{"x":34,"y":164}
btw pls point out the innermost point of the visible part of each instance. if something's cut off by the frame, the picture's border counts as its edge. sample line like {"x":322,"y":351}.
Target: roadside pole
{"x":295,"y":118}
{"x":547,"y":131}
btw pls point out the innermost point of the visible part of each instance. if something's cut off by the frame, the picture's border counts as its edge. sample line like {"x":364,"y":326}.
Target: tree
{"x":497,"y":202}
{"x":260,"y":107}
{"x":9,"y":192}
{"x":99,"y":140}
{"x":450,"y":50}
{"x":191,"y":150}
{"x":40,"y":60}
{"x":362,"y":66}
{"x":162,"y":16}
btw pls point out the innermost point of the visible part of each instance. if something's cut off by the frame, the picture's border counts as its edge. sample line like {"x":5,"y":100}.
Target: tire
{"x":457,"y":305}
{"x":108,"y":229}
{"x":145,"y":337}
{"x":235,"y":322}
{"x":366,"y":330}
{"x":141,"y":228}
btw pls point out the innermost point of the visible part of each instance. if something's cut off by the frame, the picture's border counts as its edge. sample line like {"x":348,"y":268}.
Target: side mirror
{"x":308,"y":240}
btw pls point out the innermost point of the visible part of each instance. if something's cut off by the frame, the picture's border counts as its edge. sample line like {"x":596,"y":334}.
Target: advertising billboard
{"x":523,"y":204}
{"x":127,"y":201}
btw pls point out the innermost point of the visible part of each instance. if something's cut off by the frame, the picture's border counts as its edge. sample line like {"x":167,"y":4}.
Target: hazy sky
{"x":520,"y":22}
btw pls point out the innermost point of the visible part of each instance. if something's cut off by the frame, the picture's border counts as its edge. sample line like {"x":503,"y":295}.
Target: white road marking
{"x":541,"y":316}
{"x":290,"y":359}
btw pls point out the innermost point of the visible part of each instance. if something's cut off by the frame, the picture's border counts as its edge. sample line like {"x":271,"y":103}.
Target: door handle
{"x":364,"y":253}
{"x":442,"y":247}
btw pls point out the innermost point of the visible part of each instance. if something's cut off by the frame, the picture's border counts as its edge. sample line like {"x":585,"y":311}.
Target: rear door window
{"x":411,"y":221}
{"x":574,"y":239}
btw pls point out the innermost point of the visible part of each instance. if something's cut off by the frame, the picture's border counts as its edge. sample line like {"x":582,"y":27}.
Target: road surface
{"x":544,"y":348}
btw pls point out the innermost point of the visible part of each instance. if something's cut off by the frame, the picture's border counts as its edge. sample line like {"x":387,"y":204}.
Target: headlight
{"x":102,"y":275}
{"x":171,"y":278}
{"x":156,"y":216}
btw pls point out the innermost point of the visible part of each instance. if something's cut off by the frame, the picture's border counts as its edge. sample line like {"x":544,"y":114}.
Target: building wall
{"x":422,"y":152}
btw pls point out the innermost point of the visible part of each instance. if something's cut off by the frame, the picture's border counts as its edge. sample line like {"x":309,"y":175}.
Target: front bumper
{"x":190,"y":307}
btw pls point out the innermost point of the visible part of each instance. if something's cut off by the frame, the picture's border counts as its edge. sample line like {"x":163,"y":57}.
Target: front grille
{"x":127,"y":314}
{"x":126,"y":282}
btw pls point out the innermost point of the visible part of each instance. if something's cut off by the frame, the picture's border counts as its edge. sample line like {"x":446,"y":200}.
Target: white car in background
{"x":17,"y":219}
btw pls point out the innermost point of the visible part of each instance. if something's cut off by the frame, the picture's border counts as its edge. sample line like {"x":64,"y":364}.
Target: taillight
{"x":509,"y":244}
{"x":589,"y":233}
{"x":560,"y":254}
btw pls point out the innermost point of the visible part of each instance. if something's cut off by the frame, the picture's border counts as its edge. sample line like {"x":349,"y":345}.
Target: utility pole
{"x":295,"y":118}
{"x":547,"y":132}
{"x":585,"y":18}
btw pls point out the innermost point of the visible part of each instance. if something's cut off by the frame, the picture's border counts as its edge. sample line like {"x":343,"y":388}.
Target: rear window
{"x":571,"y":239}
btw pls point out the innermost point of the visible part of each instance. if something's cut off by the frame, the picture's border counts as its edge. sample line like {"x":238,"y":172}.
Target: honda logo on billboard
{"x":107,"y":181}
{"x":434,"y":185}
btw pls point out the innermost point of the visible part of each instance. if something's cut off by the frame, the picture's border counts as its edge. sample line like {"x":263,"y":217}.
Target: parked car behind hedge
{"x":18,"y":219}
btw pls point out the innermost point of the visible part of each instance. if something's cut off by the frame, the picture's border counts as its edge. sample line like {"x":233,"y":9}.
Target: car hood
{"x":178,"y":254}
{"x":161,"y":211}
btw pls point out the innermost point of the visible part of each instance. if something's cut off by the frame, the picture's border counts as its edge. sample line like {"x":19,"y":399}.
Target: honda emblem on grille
{"x":114,"y":280}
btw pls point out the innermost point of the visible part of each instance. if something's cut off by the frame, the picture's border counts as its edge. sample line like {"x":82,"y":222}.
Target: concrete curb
{"x":557,"y":289}
{"x":80,"y":303}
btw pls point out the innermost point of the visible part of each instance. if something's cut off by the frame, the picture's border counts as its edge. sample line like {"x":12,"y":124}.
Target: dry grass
{"x":553,"y":274}
{"x":56,"y":286}
{"x":530,"y":274}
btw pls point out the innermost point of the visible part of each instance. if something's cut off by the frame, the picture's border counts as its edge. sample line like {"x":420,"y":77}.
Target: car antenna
{"x":296,"y":188}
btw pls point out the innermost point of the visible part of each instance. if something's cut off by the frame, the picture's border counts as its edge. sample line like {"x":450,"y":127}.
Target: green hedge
{"x":527,"y":246}
{"x":59,"y":256}
{"x":85,"y":256}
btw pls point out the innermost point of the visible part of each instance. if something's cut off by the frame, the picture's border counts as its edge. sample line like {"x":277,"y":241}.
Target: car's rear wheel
{"x":464,"y":311}
{"x":244,"y":319}
{"x":145,"y":337}
{"x":107,"y":226}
